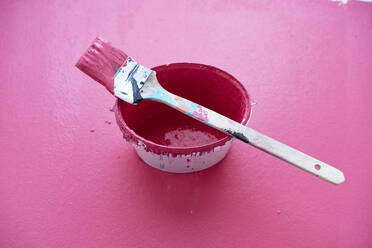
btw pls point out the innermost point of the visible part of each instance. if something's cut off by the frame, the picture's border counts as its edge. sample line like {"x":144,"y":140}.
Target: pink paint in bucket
{"x":171,"y":141}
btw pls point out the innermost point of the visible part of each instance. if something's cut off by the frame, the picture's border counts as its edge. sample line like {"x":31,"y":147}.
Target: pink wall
{"x":308,"y":65}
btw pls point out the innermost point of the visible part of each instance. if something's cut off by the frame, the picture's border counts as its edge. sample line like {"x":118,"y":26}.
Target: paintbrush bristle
{"x":101,"y":61}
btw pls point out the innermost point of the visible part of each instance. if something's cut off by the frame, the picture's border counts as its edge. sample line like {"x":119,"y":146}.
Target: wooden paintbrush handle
{"x":250,"y":136}
{"x":294,"y":157}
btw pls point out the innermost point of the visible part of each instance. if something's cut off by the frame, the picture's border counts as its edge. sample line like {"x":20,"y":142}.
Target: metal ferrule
{"x":129,"y":79}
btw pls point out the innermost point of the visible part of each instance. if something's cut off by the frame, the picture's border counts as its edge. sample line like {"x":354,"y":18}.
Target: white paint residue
{"x":340,"y":2}
{"x":183,"y":163}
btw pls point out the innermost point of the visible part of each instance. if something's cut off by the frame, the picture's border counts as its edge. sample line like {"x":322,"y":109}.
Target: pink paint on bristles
{"x":100,"y":61}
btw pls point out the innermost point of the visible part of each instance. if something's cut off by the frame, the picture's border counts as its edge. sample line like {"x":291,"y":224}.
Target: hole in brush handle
{"x":294,"y":157}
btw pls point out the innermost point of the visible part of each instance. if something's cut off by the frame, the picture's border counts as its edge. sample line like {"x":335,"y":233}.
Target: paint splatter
{"x":201,"y":113}
{"x":184,"y":108}
{"x":92,"y":130}
{"x":237,"y":135}
{"x":108,"y":122}
{"x":188,"y":160}
{"x":340,"y":2}
{"x":177,"y":99}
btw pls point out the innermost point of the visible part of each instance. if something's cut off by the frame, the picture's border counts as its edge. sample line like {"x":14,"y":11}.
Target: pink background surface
{"x":308,"y":66}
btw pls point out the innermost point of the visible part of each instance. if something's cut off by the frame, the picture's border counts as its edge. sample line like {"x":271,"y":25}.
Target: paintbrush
{"x":132,"y":82}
